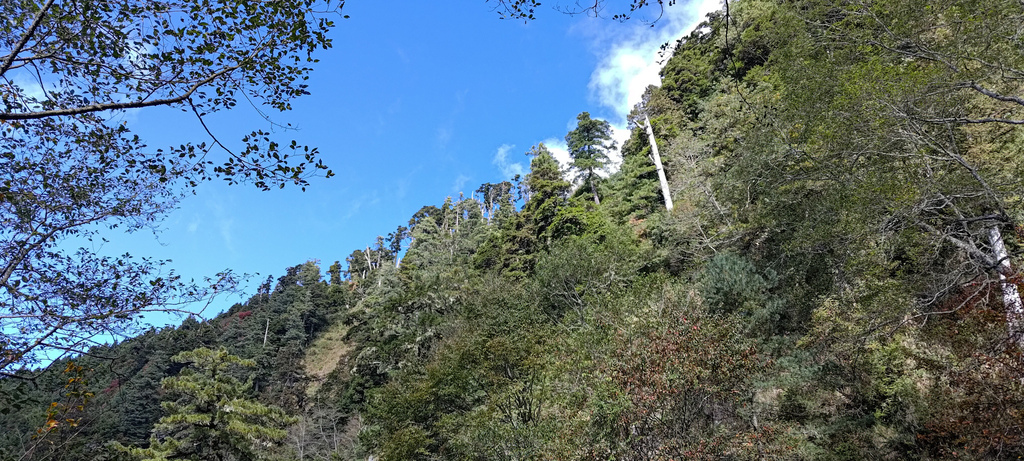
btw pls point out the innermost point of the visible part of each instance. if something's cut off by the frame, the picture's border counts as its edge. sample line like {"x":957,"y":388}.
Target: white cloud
{"x":559,"y":151}
{"x":444,"y":136}
{"x":630,"y":58}
{"x":225,"y":233}
{"x":508,"y":169}
{"x":459,"y":183}
{"x":224,"y":221}
{"x":366,"y":200}
{"x":620,"y":134}
{"x":630,"y":63}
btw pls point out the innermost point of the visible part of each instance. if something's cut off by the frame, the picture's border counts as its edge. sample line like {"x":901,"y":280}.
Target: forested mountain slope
{"x":837,"y":278}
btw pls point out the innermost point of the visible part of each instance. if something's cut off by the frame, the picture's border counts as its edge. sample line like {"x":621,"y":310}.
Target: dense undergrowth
{"x":820,"y":290}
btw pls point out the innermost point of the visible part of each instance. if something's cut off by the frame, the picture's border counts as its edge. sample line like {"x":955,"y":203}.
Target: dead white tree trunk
{"x":665,"y":192}
{"x":1011,"y":296}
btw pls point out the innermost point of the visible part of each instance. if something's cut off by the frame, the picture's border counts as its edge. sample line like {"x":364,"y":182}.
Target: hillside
{"x":837,"y":277}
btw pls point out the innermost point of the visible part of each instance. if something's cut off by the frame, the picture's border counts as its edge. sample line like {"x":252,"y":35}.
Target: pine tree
{"x":213,"y":418}
{"x":588,"y":145}
{"x":548,"y":189}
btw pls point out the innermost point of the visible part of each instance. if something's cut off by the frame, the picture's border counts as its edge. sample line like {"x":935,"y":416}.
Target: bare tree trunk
{"x":1011,"y":297}
{"x":593,"y":189}
{"x":665,"y":192}
{"x":490,"y":207}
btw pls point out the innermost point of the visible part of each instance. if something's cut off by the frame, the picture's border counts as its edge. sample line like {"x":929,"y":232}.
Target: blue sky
{"x":416,"y":101}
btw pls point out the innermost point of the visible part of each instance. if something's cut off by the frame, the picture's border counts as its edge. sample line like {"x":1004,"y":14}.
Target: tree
{"x":494,"y":197}
{"x":70,"y":168}
{"x":74,"y":64}
{"x":513,"y":248}
{"x":395,"y":240}
{"x":967,"y":65}
{"x":213,"y":417}
{"x":928,"y":100}
{"x":588,"y":145}
{"x":547,"y":188}
{"x":335,"y":274}
{"x":654,"y":155}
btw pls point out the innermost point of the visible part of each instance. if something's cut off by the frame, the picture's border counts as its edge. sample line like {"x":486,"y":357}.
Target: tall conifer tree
{"x":588,"y":146}
{"x":213,"y":418}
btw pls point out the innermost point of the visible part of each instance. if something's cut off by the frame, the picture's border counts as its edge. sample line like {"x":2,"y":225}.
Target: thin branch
{"x":929,"y":314}
{"x":118,"y":105}
{"x":993,"y":94}
{"x":975,"y":121}
{"x":968,"y":247}
{"x":9,"y":60}
{"x":22,"y":254}
{"x":14,"y":262}
{"x":203,"y":123}
{"x":14,"y":357}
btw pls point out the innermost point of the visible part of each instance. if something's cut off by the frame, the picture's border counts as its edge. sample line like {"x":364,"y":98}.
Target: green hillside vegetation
{"x":837,"y":280}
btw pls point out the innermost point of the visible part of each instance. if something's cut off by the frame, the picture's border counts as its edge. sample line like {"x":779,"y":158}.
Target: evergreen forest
{"x":810,"y":251}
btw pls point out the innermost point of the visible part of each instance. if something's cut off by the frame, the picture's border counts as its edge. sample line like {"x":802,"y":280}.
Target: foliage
{"x":825,"y":288}
{"x":578,"y":271}
{"x":212,"y":417}
{"x":71,"y":169}
{"x":588,"y":145}
{"x":633,"y":193}
{"x":64,"y":417}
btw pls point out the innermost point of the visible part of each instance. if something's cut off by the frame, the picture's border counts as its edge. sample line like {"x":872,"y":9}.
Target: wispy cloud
{"x":446,"y":130}
{"x":444,"y":136}
{"x":400,"y":188}
{"x":29,"y":85}
{"x":40,"y":86}
{"x":459,"y":183}
{"x":630,"y":59}
{"x":365,"y":200}
{"x":631,"y":62}
{"x":402,"y":56}
{"x":225,"y":226}
{"x":559,"y":151}
{"x":508,"y":168}
{"x":225,"y":222}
